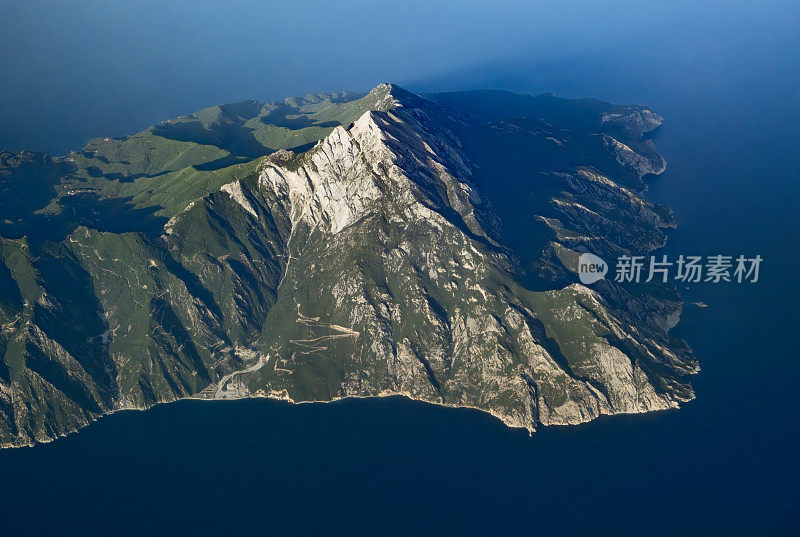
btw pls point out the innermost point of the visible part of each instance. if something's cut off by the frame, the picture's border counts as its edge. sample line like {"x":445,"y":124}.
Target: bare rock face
{"x":371,"y":264}
{"x":641,"y":120}
{"x":643,"y":164}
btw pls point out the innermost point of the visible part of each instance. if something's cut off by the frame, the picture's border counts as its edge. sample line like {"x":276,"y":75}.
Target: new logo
{"x":591,"y":268}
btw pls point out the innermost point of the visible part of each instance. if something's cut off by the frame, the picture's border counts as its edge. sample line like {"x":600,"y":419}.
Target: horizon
{"x":115,"y":69}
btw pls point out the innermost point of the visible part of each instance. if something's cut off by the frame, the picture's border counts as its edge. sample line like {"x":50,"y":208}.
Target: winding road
{"x":261,"y":360}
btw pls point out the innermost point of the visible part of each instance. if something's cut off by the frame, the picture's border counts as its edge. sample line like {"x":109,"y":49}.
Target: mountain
{"x":337,"y":246}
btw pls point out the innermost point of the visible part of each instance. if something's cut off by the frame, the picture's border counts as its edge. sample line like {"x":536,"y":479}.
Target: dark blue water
{"x":726,"y":464}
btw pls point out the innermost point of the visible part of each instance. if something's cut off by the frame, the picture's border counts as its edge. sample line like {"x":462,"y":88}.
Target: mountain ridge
{"x":369,"y":264}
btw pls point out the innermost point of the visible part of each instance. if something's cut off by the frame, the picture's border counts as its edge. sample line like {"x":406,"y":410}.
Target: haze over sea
{"x":726,"y":78}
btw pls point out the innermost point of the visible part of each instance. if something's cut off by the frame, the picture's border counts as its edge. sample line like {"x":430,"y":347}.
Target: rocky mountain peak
{"x":392,"y":96}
